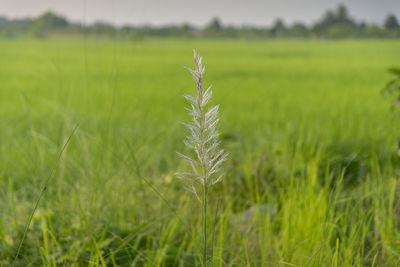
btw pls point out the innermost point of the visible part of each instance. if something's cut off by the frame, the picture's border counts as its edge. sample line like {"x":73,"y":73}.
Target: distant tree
{"x":373,"y":30}
{"x":330,"y":18}
{"x":186,"y":29}
{"x":391,"y":22}
{"x":338,"y":31}
{"x":7,"y":33}
{"x":278,"y":28}
{"x":126,"y":30}
{"x":52,"y":20}
{"x":215,"y":25}
{"x":336,"y":24}
{"x":298,"y":30}
{"x":3,"y":21}
{"x":102,"y":28}
{"x":214,"y":28}
{"x":342,"y":13}
{"x":48,"y":22}
{"x":248,"y":32}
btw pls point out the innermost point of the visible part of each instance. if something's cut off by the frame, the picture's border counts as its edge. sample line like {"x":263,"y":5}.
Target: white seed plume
{"x":203,"y":138}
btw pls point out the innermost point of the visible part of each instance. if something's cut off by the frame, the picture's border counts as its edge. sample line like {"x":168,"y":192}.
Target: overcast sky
{"x":199,"y":12}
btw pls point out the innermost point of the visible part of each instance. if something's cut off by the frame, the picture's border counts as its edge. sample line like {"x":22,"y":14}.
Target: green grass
{"x":312,"y":174}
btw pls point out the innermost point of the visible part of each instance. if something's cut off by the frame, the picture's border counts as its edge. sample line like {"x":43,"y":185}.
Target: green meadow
{"x":312,"y":174}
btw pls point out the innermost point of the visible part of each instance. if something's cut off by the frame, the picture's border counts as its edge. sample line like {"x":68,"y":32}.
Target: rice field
{"x":311,"y":178}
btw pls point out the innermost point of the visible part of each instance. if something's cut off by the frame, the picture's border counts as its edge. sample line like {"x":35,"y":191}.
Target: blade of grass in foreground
{"x":155,"y":190}
{"x":42,"y":192}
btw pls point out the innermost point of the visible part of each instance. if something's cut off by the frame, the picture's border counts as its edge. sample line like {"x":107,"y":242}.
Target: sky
{"x":198,"y":12}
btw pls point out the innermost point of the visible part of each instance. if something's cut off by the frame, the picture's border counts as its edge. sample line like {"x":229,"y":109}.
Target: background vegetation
{"x":333,"y":24}
{"x":312,"y":173}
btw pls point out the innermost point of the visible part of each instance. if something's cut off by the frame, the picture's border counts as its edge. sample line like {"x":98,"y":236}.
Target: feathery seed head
{"x":203,"y":137}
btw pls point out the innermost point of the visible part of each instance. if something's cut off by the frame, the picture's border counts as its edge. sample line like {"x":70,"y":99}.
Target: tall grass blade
{"x":42,"y":192}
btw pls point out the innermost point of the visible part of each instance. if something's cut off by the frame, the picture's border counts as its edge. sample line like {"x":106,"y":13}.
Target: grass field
{"x":311,"y":178}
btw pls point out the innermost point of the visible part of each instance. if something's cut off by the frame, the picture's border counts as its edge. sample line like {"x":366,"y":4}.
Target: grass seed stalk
{"x":204,"y":143}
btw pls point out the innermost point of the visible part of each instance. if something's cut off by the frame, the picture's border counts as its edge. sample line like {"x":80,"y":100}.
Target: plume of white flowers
{"x":203,"y":139}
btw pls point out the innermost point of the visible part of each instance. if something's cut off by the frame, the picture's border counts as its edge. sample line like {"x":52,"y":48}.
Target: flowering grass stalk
{"x":203,"y":140}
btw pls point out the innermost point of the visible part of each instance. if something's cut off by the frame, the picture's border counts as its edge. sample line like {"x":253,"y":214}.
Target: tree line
{"x":334,"y":24}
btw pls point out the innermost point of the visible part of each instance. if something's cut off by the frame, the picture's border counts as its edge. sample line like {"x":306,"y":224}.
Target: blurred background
{"x":179,"y":18}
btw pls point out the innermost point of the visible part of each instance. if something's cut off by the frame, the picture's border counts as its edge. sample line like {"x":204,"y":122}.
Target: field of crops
{"x":311,"y":178}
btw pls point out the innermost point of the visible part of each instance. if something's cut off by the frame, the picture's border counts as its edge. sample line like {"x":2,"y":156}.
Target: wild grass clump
{"x":203,"y":141}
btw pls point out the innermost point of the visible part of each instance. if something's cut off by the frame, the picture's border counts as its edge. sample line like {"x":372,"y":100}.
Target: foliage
{"x":312,"y":169}
{"x":333,"y":25}
{"x":392,"y":88}
{"x":391,"y":23}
